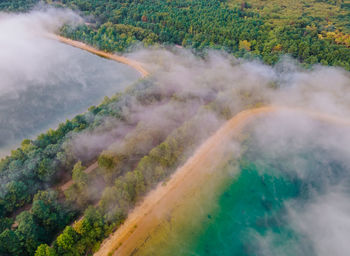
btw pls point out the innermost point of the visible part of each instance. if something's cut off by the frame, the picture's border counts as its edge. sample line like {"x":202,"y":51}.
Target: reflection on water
{"x":75,"y":81}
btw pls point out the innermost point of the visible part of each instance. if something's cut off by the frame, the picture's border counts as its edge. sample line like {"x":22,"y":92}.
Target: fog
{"x":44,"y":82}
{"x":322,"y":219}
{"x":317,"y":155}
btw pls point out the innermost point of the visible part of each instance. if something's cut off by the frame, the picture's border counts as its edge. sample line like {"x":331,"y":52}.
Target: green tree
{"x":79,"y":176}
{"x":29,"y":233}
{"x":67,"y":240}
{"x":9,"y":243}
{"x":45,"y":250}
{"x":106,"y":161}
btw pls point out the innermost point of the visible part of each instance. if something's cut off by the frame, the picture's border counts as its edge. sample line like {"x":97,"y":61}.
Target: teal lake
{"x":287,"y":194}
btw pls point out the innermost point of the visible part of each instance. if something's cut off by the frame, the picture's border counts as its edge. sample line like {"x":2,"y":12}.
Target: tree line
{"x":202,"y":25}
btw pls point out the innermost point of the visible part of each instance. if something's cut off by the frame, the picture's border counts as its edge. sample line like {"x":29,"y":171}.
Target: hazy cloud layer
{"x":317,"y":154}
{"x":43,"y":82}
{"x":324,"y":220}
{"x":29,"y":62}
{"x":25,"y":52}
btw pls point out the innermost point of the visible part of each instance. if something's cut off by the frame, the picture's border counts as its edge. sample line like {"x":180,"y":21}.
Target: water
{"x":70,"y":81}
{"x":288,"y":194}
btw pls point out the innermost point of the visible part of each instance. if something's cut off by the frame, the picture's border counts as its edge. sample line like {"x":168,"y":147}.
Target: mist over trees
{"x":134,"y":154}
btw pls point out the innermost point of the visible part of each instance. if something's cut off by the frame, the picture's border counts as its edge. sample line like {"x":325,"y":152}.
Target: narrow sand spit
{"x":160,"y":202}
{"x":132,"y":63}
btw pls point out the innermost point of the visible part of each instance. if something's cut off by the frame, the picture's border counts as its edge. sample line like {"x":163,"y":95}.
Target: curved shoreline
{"x":160,"y":201}
{"x":131,"y":63}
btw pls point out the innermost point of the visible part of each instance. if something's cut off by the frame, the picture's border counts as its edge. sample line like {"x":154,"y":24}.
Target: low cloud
{"x":44,"y":82}
{"x":29,"y":60}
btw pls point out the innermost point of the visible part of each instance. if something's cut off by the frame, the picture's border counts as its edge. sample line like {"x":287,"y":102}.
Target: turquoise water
{"x":272,"y":201}
{"x":249,"y":208}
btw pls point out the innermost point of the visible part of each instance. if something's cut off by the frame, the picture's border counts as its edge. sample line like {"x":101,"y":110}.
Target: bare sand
{"x":162,"y":200}
{"x":145,"y":217}
{"x":132,"y":63}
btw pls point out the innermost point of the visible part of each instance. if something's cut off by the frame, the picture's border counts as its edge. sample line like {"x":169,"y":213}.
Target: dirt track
{"x":132,"y":63}
{"x":159,"y":202}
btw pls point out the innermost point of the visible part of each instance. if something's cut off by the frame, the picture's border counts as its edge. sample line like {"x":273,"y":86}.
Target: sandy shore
{"x":162,"y":200}
{"x":159,"y":202}
{"x":132,"y":63}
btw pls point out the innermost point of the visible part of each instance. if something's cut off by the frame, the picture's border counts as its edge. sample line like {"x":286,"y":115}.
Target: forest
{"x":318,"y":33}
{"x":237,"y":29}
{"x":36,"y":212}
{"x":39,"y":218}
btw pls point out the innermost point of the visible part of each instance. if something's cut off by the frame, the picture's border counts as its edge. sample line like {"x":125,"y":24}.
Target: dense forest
{"x":201,"y":25}
{"x":37,"y":215}
{"x":314,"y":32}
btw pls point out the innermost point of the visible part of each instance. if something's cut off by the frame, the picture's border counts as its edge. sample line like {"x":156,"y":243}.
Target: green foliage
{"x":46,"y":216}
{"x":28,"y":232}
{"x":18,"y":5}
{"x":267,"y":30}
{"x":5,"y":223}
{"x":9,"y":243}
{"x":79,"y":176}
{"x":25,"y":172}
{"x":66,"y":241}
{"x":78,"y":191}
{"x":252,"y":29}
{"x":106,"y":161}
{"x":81,"y":238}
{"x":118,"y":198}
{"x":45,"y":250}
{"x":41,"y":162}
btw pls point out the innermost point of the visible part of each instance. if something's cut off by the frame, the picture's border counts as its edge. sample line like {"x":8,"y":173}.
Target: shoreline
{"x":131,"y":63}
{"x":160,"y":202}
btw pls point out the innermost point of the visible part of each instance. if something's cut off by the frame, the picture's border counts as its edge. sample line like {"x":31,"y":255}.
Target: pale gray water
{"x":74,"y":81}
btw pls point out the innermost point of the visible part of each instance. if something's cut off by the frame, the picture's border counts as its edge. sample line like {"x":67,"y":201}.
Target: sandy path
{"x":160,"y":202}
{"x":132,"y":63}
